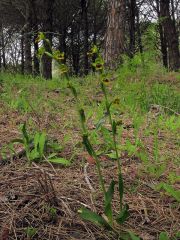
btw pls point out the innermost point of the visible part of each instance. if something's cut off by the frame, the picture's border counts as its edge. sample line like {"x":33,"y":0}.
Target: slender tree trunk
{"x":35,"y":58}
{"x":3,"y":56}
{"x":115,"y":35}
{"x":22,"y":53}
{"x":84,"y":8}
{"x":132,"y":26}
{"x":94,"y":32}
{"x":163,"y":46}
{"x":27,"y":39}
{"x":0,"y":58}
{"x":75,"y":49}
{"x":171,"y":35}
{"x":0,"y":47}
{"x":139,"y":32}
{"x":162,"y":37}
{"x":47,"y":28}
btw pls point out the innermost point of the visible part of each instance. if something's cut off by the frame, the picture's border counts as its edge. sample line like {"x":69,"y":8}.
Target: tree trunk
{"x":47,"y":28}
{"x":22,"y":53}
{"x":84,"y":8}
{"x":162,"y":37}
{"x":132,"y":27}
{"x":115,"y":35}
{"x":75,"y":49}
{"x":27,"y":39}
{"x":171,"y":35}
{"x":140,"y":46}
{"x":2,"y":46}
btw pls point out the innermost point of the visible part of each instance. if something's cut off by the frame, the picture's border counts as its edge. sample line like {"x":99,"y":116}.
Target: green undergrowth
{"x":149,"y":106}
{"x":24,"y":93}
{"x":146,"y":110}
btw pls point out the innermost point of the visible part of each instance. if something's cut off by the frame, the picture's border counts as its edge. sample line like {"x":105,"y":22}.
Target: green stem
{"x":114,"y":135}
{"x":114,"y":139}
{"x":84,"y":131}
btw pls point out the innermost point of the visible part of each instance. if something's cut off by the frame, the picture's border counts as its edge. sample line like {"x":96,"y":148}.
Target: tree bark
{"x":171,"y":35}
{"x":163,"y":41}
{"x":75,"y":49}
{"x":22,"y":53}
{"x":84,"y":8}
{"x":3,"y":56}
{"x":132,"y":27}
{"x":140,"y":46}
{"x":115,"y":35}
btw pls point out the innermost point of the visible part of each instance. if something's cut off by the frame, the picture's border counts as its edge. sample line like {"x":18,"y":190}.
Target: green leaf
{"x":41,"y":36}
{"x":114,"y":127}
{"x":124,"y":214}
{"x":52,"y":155}
{"x":82,"y":115}
{"x":36,"y":141}
{"x":88,"y":145}
{"x":62,"y":161}
{"x":41,"y":51}
{"x":108,"y":202}
{"x":34,"y":155}
{"x":42,"y":141}
{"x":178,"y":235}
{"x":54,"y":145}
{"x":103,"y":87}
{"x":49,"y":54}
{"x":73,"y":90}
{"x":112,"y":155}
{"x":93,"y":217}
{"x":170,"y":190}
{"x":25,"y":134}
{"x":163,"y":236}
{"x":133,"y":236}
{"x":31,"y":232}
{"x":100,"y":122}
{"x":17,"y":141}
{"x":121,"y":188}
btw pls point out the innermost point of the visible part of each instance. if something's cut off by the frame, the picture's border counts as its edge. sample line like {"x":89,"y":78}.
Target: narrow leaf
{"x":108,"y":201}
{"x":62,"y":161}
{"x":36,"y":141}
{"x":17,"y":141}
{"x":121,"y":188}
{"x":25,"y":134}
{"x":52,"y":155}
{"x":124,"y":214}
{"x":73,"y":90}
{"x":114,"y":127}
{"x":88,"y":145}
{"x":82,"y":115}
{"x":133,"y":236}
{"x":49,"y":54}
{"x":93,"y":217}
{"x":42,"y":141}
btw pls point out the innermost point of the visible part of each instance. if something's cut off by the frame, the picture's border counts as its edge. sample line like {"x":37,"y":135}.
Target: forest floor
{"x":41,"y":201}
